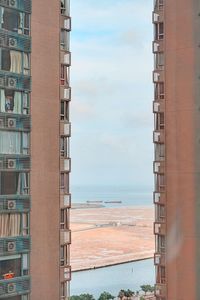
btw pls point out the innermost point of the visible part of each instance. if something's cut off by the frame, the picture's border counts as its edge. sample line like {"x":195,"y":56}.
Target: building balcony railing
{"x":158,"y":76}
{"x":158,"y":136}
{"x":14,"y":245}
{"x":13,"y":40}
{"x":14,"y":203}
{"x":15,"y":81}
{"x":159,"y":167}
{"x":65,"y":237}
{"x":65,"y":128}
{"x":65,"y":93}
{"x":159,"y":259}
{"x":65,"y":273}
{"x":159,"y":198}
{"x":158,"y":106}
{"x":22,"y":5}
{"x":65,"y":23}
{"x":15,"y":122}
{"x":65,"y":165}
{"x":158,"y":46}
{"x":65,"y":200}
{"x":14,"y":162}
{"x":15,"y":286}
{"x":159,"y":228}
{"x":157,"y":16}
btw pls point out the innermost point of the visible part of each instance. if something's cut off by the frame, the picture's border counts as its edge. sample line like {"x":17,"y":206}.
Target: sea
{"x":128,"y":195}
{"x":123,"y":276}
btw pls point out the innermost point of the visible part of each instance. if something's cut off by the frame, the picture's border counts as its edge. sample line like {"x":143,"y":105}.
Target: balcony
{"x":14,"y":245}
{"x":158,"y":46}
{"x":65,"y":128}
{"x":22,"y":5}
{"x":159,"y":198}
{"x":14,"y":162}
{"x":158,"y":76}
{"x":159,"y":259}
{"x":65,"y":59}
{"x":65,"y":165}
{"x":65,"y":93}
{"x":15,"y":203}
{"x":160,"y":291}
{"x":157,"y":16}
{"x":159,"y":167}
{"x":158,"y":136}
{"x":65,"y":23}
{"x":65,"y":273}
{"x":159,"y":228}
{"x":13,"y":40}
{"x":15,"y":286}
{"x":158,"y":106}
{"x":65,"y":237}
{"x":15,"y":81}
{"x":65,"y":201}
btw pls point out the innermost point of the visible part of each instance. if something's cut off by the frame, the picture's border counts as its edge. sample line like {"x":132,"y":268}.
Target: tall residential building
{"x":176,"y":107}
{"x":34,"y":149}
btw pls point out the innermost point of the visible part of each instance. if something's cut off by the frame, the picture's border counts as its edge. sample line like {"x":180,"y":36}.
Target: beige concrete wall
{"x":45,"y":150}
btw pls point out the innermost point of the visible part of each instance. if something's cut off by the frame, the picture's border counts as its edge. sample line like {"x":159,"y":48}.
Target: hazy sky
{"x":111,"y":78}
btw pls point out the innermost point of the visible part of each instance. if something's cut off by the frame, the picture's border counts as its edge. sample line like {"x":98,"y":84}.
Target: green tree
{"x":82,"y":297}
{"x":145,"y":288}
{"x":106,"y":296}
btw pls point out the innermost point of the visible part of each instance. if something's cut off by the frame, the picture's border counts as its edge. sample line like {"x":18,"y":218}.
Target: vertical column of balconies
{"x":15,"y":49}
{"x":159,"y":142}
{"x":65,"y":161}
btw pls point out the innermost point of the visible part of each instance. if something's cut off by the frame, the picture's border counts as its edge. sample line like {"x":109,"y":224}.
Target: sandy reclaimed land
{"x":107,"y":236}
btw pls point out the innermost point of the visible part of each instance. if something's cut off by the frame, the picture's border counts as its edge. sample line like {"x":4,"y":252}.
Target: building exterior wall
{"x":34,"y":165}
{"x":178,"y":273}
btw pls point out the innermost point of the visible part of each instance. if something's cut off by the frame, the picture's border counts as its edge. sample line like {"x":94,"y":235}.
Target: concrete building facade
{"x":35,"y":162}
{"x":176,"y":108}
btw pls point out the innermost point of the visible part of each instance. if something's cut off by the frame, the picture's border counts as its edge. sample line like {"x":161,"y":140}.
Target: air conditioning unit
{"x":12,"y":42}
{"x":11,"y":163}
{"x":12,"y":3}
{"x":11,"y":123}
{"x":11,"y":246}
{"x":11,"y":288}
{"x":12,"y":82}
{"x":11,"y":204}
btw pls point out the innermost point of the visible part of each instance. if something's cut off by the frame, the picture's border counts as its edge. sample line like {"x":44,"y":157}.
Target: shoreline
{"x":111,"y":264}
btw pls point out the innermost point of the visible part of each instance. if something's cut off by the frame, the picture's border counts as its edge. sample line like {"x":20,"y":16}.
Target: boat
{"x":112,"y":201}
{"x":94,"y":201}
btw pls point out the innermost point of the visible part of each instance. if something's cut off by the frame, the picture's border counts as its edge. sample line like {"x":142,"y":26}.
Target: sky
{"x":112,"y":93}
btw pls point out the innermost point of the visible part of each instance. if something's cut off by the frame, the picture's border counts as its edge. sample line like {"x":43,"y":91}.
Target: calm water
{"x":128,"y":195}
{"x":112,"y":279}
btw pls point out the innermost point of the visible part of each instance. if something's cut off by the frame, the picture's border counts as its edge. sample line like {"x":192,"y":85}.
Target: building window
{"x":159,"y":182}
{"x":64,"y":219}
{"x":14,"y":102}
{"x":64,"y":255}
{"x":64,"y":76}
{"x":14,"y":224}
{"x":64,"y":110}
{"x":15,"y":21}
{"x":14,"y":183}
{"x":159,"y":152}
{"x":159,"y":61}
{"x":10,"y":266}
{"x":64,"y":7}
{"x":160,"y":213}
{"x":15,"y":61}
{"x":12,"y":142}
{"x":64,"y":146}
{"x":64,"y":40}
{"x":159,"y":121}
{"x":159,"y":31}
{"x":64,"y":182}
{"x":160,"y":243}
{"x":158,"y":4}
{"x":159,"y":91}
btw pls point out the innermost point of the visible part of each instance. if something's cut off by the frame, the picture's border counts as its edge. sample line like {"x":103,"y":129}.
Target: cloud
{"x":111,"y":77}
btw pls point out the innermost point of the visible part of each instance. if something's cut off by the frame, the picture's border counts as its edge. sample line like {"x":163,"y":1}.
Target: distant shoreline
{"x":111,"y":264}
